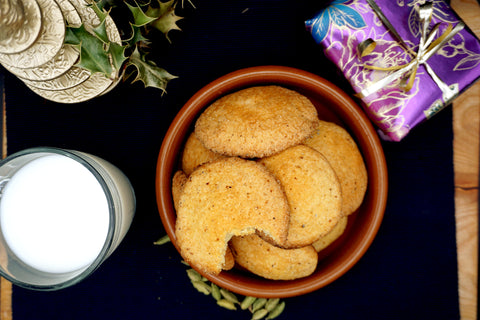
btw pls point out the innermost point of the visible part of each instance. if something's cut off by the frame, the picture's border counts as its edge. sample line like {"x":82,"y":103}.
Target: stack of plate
{"x":32,"y":48}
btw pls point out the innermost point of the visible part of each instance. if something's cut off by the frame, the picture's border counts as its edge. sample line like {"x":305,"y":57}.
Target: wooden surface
{"x":466,"y":115}
{"x":5,"y":286}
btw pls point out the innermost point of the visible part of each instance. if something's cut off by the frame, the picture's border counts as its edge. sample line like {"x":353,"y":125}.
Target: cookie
{"x":313,"y":193}
{"x":336,"y":144}
{"x":268,"y":261}
{"x":223,"y":198}
{"x":178,"y":183}
{"x":229,"y":260}
{"x":256,"y":122}
{"x":333,"y":235}
{"x":195,"y":154}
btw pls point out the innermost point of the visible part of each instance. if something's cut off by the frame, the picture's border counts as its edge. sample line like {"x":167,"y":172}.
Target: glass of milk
{"x":62,"y":213}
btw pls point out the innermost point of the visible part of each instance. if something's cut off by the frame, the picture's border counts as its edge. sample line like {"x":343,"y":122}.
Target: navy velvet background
{"x":410,"y":270}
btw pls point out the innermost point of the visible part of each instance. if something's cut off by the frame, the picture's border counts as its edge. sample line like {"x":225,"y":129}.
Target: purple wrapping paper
{"x":343,"y":25}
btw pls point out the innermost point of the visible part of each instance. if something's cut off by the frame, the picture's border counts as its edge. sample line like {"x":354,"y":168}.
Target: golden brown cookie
{"x":229,"y":260}
{"x":223,"y":198}
{"x":333,"y":235}
{"x":271,"y":262}
{"x":336,"y":144}
{"x":313,"y":193}
{"x":178,"y":183}
{"x":256,"y":122}
{"x":195,"y":154}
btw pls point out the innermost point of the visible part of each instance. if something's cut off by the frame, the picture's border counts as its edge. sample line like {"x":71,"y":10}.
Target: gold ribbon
{"x":428,"y":46}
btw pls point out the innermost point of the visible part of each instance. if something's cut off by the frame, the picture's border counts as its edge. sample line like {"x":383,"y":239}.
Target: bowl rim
{"x":287,"y":76}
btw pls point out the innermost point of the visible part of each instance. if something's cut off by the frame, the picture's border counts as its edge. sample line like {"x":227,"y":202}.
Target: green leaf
{"x":101,"y":32}
{"x":71,"y":37}
{"x":139,"y":17}
{"x":95,"y":60}
{"x":101,"y":4}
{"x":165,"y":17}
{"x":191,"y":3}
{"x":101,"y":13}
{"x":148,"y":72}
{"x":136,"y":37}
{"x":117,"y":53}
{"x":93,"y":56}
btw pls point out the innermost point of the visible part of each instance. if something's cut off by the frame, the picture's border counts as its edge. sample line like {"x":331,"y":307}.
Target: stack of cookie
{"x":265,"y":184}
{"x":32,"y":48}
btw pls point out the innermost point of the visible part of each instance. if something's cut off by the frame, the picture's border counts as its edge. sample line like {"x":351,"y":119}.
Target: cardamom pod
{"x":226,"y":304}
{"x":247,"y":302}
{"x":271,"y":304}
{"x":259,"y":314}
{"x":229,"y":296}
{"x":277,"y":311}
{"x":258,"y":304}
{"x":216,"y":292}
{"x":162,"y":240}
{"x":194,"y":275}
{"x":202,"y":287}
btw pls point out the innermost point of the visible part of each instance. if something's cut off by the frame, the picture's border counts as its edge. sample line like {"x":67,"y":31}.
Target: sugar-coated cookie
{"x":195,"y":154}
{"x":223,"y":198}
{"x":271,"y":262}
{"x":256,"y":122}
{"x":313,"y":193}
{"x":333,"y":235}
{"x":178,"y":183}
{"x":336,"y":144}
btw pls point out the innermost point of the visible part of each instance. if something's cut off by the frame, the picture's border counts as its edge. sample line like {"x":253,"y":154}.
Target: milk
{"x":62,"y":213}
{"x":54,"y":215}
{"x":121,"y":192}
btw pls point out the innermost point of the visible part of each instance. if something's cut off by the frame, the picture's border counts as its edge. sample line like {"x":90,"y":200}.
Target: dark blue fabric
{"x":409,"y":272}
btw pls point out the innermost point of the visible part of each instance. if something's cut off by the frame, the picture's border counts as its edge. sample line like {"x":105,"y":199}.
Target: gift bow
{"x":427,"y":47}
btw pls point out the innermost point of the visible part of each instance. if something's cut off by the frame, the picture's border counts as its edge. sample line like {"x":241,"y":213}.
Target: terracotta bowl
{"x":332,"y":105}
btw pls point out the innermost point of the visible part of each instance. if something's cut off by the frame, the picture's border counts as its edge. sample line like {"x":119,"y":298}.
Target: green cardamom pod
{"x":193,"y":275}
{"x":259,"y":314}
{"x":216,"y":292}
{"x":258,"y":304}
{"x":162,"y":240}
{"x":202,"y":287}
{"x":247,"y":302}
{"x":229,"y":296}
{"x":226,"y":304}
{"x":277,"y":311}
{"x":271,"y":304}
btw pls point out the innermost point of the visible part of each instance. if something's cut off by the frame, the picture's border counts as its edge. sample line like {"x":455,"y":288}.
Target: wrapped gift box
{"x":405,"y":59}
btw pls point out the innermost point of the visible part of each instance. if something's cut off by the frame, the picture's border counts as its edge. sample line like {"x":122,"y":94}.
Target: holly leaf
{"x":136,"y":37}
{"x":101,"y":32}
{"x":165,"y":17}
{"x":72,"y":35}
{"x":101,"y":13}
{"x":93,"y":55}
{"x":191,"y":3}
{"x":148,"y":72}
{"x":117,"y":54}
{"x":139,"y":17}
{"x":102,"y":3}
